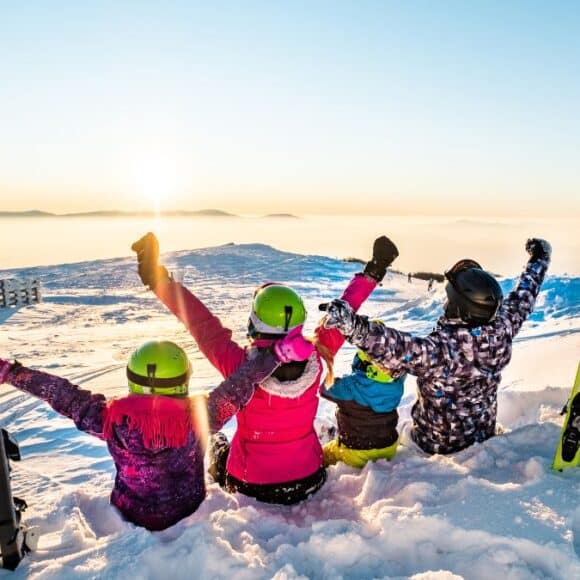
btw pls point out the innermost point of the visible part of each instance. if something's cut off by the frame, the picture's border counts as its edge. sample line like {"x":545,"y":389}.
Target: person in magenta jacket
{"x":275,"y":455}
{"x":157,"y":434}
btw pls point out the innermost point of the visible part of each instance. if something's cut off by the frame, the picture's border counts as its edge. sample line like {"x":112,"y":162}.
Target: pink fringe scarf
{"x":162,"y":421}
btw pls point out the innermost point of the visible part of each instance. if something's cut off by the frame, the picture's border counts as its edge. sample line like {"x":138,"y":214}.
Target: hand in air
{"x":384,"y":254}
{"x":147,"y":247}
{"x":339,"y":315}
{"x":147,"y":250}
{"x":539,"y":249}
{"x":5,"y":367}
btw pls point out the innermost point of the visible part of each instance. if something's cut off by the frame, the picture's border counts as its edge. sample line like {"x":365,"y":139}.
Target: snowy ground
{"x":495,"y":510}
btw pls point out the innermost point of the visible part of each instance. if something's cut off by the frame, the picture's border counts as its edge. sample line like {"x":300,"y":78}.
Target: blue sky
{"x":469,"y":108}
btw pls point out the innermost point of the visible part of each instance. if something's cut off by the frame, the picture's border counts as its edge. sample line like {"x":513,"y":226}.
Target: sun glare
{"x":154,"y":182}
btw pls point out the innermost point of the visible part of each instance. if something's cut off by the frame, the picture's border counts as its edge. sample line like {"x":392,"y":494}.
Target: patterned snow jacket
{"x":457,"y":367}
{"x":159,"y":478}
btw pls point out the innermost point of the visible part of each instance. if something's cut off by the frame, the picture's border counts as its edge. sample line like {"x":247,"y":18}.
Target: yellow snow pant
{"x":335,"y":452}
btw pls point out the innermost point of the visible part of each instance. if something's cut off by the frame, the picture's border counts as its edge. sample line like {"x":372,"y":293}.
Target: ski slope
{"x":495,"y":510}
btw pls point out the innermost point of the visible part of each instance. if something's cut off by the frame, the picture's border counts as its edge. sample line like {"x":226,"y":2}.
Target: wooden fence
{"x":15,"y":292}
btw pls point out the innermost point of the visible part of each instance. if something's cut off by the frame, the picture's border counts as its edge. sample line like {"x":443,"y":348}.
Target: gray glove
{"x":539,"y":249}
{"x":339,"y":315}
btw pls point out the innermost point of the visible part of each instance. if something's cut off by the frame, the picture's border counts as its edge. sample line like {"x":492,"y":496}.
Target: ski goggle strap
{"x":154,"y":382}
{"x":256,"y":326}
{"x":361,"y":365}
{"x":371,"y":371}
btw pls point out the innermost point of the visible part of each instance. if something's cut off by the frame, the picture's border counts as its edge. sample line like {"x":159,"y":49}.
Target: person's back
{"x":457,"y":397}
{"x":160,"y":476}
{"x":157,"y":434}
{"x":366,"y":414}
{"x":458,"y":366}
{"x":278,"y":423}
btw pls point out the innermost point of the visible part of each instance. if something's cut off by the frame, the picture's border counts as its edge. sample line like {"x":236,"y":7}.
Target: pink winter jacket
{"x":275,"y":441}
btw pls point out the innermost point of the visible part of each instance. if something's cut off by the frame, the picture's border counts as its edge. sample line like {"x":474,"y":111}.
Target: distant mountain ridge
{"x":171,"y":213}
{"x":281,"y":215}
{"x":119,"y":213}
{"x":28,"y":213}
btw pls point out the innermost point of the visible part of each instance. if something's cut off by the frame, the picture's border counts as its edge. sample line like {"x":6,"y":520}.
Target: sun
{"x":154,"y":182}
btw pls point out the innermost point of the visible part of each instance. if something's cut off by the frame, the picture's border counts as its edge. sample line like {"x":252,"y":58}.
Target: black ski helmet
{"x":473,"y":295}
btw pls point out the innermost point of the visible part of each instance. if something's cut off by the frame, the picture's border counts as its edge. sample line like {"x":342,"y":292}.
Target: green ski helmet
{"x":159,"y":368}
{"x":364,"y":363}
{"x":276,"y":310}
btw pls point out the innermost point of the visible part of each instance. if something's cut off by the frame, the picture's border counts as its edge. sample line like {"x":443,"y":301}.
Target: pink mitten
{"x":293,"y":347}
{"x":5,"y":367}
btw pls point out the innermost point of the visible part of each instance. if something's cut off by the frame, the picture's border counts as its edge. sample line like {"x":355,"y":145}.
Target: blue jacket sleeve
{"x":341,"y":390}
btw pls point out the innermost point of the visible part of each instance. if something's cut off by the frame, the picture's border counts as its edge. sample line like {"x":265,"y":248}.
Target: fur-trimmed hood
{"x":296,"y":388}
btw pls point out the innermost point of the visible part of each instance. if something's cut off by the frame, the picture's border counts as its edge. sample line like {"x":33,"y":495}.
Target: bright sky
{"x":448,"y":107}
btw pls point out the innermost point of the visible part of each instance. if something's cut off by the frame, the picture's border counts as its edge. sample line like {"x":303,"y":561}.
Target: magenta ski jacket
{"x":275,"y":441}
{"x":155,"y":485}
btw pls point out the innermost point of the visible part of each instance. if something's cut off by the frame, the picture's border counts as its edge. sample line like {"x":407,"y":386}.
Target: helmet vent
{"x":151,"y":370}
{"x":287,"y":317}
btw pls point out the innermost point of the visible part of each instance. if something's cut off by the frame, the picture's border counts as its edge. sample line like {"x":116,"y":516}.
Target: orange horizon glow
{"x":157,"y":199}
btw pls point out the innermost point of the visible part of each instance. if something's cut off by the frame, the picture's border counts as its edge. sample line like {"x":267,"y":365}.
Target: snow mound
{"x":493,"y":510}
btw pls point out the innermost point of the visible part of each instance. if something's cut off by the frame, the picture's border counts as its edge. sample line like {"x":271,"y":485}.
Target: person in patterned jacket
{"x":458,"y":365}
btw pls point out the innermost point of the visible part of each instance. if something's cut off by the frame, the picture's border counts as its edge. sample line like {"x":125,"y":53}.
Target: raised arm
{"x":519,"y":303}
{"x":84,"y":408}
{"x":360,"y":288}
{"x":214,"y":340}
{"x":235,"y":392}
{"x":398,"y":351}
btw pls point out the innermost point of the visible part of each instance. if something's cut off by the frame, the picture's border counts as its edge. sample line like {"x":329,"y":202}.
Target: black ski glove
{"x":340,"y":315}
{"x":150,"y":272}
{"x":384,"y":254}
{"x":538,"y":249}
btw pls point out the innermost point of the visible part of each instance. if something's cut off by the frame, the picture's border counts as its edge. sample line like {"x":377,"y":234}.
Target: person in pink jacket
{"x":275,"y":455}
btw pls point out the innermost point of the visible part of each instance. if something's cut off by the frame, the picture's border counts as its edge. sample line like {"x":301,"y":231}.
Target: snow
{"x":493,"y":510}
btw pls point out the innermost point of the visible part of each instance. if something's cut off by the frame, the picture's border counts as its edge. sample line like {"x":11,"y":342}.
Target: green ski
{"x":568,"y":452}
